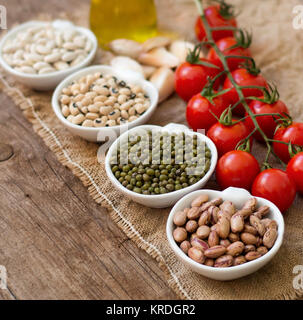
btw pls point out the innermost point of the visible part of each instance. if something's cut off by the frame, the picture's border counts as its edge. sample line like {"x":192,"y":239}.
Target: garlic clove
{"x":125,"y":47}
{"x":156,"y":42}
{"x":159,"y":57}
{"x":180,"y":49}
{"x":164,"y":80}
{"x":126,"y":64}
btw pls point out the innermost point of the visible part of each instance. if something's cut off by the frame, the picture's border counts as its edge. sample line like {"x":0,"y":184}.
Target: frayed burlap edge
{"x":51,"y":140}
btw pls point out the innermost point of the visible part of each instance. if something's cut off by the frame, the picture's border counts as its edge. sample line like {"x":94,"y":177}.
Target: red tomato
{"x":214,"y":19}
{"x":224,"y":45}
{"x":190,"y":79}
{"x":295,"y":171}
{"x":243,"y":78}
{"x":266,"y":123}
{"x":197,"y":112}
{"x":237,"y":169}
{"x":293,"y":134}
{"x":226,"y":138}
{"x":276,"y":186}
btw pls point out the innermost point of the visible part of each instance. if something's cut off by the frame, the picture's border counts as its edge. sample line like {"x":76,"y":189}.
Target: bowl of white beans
{"x":101,"y":102}
{"x":41,"y":54}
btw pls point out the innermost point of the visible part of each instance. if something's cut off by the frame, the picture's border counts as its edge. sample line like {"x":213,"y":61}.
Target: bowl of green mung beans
{"x":156,"y":166}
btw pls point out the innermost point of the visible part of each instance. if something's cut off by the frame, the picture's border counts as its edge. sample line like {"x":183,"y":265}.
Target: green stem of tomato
{"x":238,"y":88}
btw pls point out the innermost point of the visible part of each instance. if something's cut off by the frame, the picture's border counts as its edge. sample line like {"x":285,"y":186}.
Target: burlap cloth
{"x":277,"y":49}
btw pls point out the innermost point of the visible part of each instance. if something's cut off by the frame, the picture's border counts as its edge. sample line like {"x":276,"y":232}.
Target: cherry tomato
{"x":266,"y":123}
{"x":198,"y":113}
{"x":295,"y":171}
{"x":214,"y":19}
{"x":276,"y":186}
{"x":226,"y":138}
{"x":293,"y":134}
{"x":243,"y":78}
{"x":190,"y":79}
{"x":224,"y":45}
{"x":237,"y":169}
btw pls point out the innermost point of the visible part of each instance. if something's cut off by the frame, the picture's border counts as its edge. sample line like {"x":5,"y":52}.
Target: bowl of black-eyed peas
{"x":99,"y":102}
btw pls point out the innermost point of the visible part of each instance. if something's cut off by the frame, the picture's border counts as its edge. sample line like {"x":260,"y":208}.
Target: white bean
{"x":68,"y":56}
{"x":27,"y":69}
{"x":53,"y":57}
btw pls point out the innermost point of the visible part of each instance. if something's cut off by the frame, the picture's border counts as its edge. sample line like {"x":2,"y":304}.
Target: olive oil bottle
{"x":129,"y":19}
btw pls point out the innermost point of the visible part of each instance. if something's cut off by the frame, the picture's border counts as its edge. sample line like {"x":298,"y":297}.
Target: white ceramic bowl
{"x":99,"y":134}
{"x":168,"y":199}
{"x":238,"y":197}
{"x":46,"y":81}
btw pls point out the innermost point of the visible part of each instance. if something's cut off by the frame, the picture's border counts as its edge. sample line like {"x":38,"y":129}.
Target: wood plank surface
{"x":55,"y":241}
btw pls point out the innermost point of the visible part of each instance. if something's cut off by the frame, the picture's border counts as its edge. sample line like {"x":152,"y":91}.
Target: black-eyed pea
{"x":73,"y":109}
{"x":122,"y":98}
{"x":132,"y":111}
{"x":111,"y":123}
{"x":89,"y":78}
{"x":67,"y":91}
{"x":140,"y":108}
{"x":79,"y":97}
{"x":100,"y":99}
{"x":114,"y":115}
{"x":75,"y":89}
{"x":126,"y":106}
{"x":132,"y":118}
{"x":84,"y":110}
{"x":109,"y":102}
{"x":78,"y":119}
{"x":98,"y":104}
{"x":92,"y":115}
{"x":88,"y":123}
{"x":124,"y":114}
{"x":93,"y":108}
{"x":99,"y":123}
{"x":136,"y":89}
{"x":124,"y":91}
{"x":90,"y":95}
{"x":86,"y":101}
{"x":70,"y":118}
{"x":65,"y":99}
{"x":83,"y":88}
{"x":106,"y":110}
{"x":65,"y":111}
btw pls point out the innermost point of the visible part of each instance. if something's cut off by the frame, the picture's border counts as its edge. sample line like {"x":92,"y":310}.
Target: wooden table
{"x":48,"y":253}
